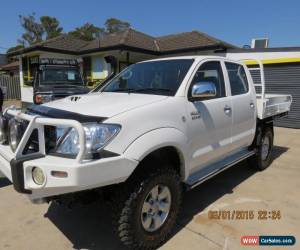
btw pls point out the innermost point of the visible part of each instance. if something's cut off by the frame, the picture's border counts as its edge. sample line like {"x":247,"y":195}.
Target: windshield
{"x":55,"y":76}
{"x":155,"y":77}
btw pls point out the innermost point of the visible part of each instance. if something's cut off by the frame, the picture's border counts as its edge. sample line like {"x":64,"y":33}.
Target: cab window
{"x":211,"y":72}
{"x":237,"y":78}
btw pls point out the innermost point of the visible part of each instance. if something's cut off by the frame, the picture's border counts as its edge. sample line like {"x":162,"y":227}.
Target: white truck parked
{"x":156,"y":129}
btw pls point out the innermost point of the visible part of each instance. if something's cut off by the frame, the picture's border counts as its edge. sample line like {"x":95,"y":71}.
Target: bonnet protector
{"x":63,"y":114}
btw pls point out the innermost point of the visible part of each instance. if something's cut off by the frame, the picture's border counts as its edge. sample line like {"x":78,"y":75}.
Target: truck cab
{"x":54,"y":79}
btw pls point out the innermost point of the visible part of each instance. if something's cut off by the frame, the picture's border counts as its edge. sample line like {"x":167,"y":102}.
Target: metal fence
{"x":10,"y":85}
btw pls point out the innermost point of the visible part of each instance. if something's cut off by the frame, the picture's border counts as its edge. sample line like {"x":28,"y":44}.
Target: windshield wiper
{"x":130,"y":90}
{"x":121,"y":90}
{"x":154,"y":89}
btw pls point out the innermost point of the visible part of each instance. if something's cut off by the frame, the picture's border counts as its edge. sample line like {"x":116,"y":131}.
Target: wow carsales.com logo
{"x":268,"y":240}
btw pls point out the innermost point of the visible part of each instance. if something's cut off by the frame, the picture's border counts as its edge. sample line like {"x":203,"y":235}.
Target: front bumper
{"x":81,"y":174}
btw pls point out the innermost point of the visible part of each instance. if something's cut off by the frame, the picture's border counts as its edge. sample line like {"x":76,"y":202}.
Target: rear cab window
{"x":237,"y":78}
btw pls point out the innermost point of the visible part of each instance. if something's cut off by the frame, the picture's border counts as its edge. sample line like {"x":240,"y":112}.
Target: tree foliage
{"x":33,"y":30}
{"x":51,"y":26}
{"x":87,"y":32}
{"x":47,"y":27}
{"x":113,"y":25}
{"x":15,"y":48}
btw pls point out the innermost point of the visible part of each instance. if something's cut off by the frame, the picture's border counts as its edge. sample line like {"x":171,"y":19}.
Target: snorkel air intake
{"x":113,"y":62}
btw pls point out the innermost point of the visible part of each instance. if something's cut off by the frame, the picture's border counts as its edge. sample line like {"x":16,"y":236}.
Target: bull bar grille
{"x":38,"y":137}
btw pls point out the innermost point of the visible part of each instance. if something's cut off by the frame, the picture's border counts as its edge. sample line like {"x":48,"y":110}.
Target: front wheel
{"x":145,"y":215}
{"x":263,"y":158}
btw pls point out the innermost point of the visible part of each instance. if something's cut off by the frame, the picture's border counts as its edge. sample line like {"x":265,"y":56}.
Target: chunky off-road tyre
{"x":145,"y":209}
{"x":263,"y":158}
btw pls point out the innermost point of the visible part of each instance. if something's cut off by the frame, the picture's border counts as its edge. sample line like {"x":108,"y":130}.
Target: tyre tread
{"x":123,"y":208}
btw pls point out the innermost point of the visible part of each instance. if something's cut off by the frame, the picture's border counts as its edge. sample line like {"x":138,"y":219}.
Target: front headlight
{"x":97,"y":136}
{"x":15,"y":133}
{"x":39,"y":99}
{"x":69,"y":143}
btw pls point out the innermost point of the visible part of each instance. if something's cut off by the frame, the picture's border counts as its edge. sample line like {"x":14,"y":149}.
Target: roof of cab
{"x":196,"y":57}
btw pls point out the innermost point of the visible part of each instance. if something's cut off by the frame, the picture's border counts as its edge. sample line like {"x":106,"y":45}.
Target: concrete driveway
{"x":27,"y":226}
{"x":9,"y":103}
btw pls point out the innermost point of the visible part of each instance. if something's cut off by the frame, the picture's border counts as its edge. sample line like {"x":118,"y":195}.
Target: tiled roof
{"x":64,"y":42}
{"x":186,"y":40}
{"x":135,"y":38}
{"x":10,"y":66}
{"x":131,"y":39}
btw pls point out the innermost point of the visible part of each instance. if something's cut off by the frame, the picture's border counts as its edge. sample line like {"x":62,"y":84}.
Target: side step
{"x":192,"y":182}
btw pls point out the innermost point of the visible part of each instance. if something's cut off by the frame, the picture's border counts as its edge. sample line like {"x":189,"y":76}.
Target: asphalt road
{"x":27,"y":226}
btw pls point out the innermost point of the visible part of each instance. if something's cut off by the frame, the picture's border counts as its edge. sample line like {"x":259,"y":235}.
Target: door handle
{"x":227,"y":110}
{"x":252,"y":105}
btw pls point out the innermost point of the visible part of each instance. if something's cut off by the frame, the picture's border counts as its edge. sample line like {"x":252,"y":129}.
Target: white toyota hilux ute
{"x":157,"y":128}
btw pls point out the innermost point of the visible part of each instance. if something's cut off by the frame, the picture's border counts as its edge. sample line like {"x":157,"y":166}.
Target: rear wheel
{"x":146,"y":213}
{"x":263,"y":158}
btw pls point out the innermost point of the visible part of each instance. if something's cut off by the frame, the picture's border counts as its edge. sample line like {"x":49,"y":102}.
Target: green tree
{"x":33,"y":30}
{"x":15,"y":48}
{"x":87,"y":32}
{"x":113,"y":25}
{"x":51,"y":26}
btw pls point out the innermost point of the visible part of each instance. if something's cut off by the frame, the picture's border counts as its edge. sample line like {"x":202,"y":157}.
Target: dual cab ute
{"x":156,"y":129}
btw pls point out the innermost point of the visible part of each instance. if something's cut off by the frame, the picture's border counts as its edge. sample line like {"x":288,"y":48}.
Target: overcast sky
{"x":230,"y":20}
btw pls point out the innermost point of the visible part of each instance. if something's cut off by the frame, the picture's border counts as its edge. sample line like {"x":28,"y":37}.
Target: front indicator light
{"x":59,"y":174}
{"x":38,"y":176}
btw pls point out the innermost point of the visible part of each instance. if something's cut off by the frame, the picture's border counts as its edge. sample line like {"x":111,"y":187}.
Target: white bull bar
{"x":81,"y":174}
{"x":37,"y":122}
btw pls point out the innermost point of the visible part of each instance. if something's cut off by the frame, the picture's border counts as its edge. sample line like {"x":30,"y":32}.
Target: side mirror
{"x":204,"y":89}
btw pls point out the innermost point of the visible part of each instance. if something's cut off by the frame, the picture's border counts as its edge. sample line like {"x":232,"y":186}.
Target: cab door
{"x":243,"y":106}
{"x":209,"y":119}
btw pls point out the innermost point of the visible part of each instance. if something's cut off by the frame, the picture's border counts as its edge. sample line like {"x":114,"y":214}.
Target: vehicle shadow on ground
{"x":89,"y":227}
{"x":199,"y":198}
{"x":86,"y":226}
{"x":278,"y":151}
{"x":4,"y":182}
